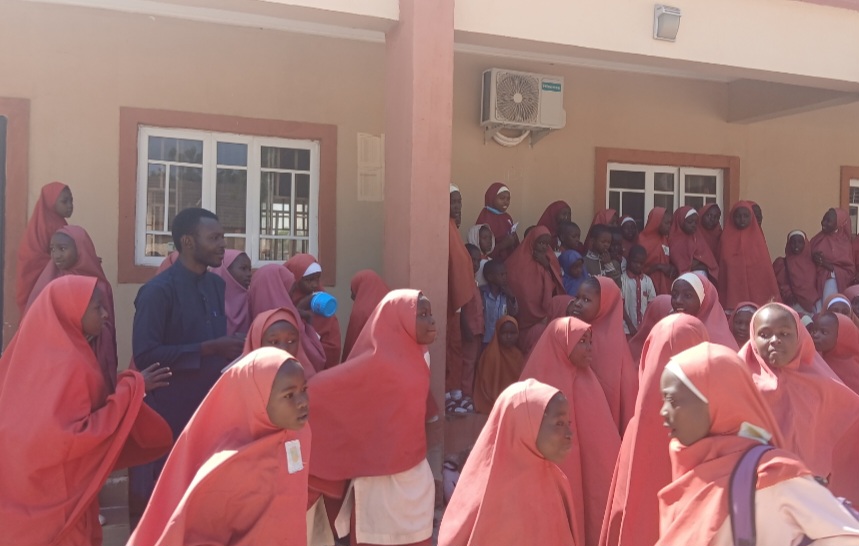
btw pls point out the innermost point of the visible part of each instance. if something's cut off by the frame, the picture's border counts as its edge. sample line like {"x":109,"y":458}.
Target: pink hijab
{"x":236,"y":297}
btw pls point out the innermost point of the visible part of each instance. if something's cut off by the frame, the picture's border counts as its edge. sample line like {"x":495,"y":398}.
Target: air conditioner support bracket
{"x":489,"y":132}
{"x":538,"y":134}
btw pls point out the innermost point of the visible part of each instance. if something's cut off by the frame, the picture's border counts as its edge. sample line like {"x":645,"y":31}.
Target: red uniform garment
{"x":499,"y":367}
{"x":328,"y":328}
{"x":657,"y":310}
{"x":712,"y":236}
{"x":687,"y":248}
{"x":61,"y":431}
{"x":745,"y":270}
{"x":837,"y":249}
{"x":505,"y":464}
{"x":500,"y":223}
{"x":695,"y":505}
{"x":89,"y":265}
{"x":643,"y":466}
{"x":236,"y":296}
{"x":807,"y":386}
{"x":33,"y":252}
{"x":373,"y":406}
{"x":232,"y":479}
{"x":796,"y":276}
{"x":549,"y":220}
{"x":844,"y":357}
{"x":266,"y":319}
{"x":369,"y":289}
{"x":657,"y":250}
{"x":596,"y":440}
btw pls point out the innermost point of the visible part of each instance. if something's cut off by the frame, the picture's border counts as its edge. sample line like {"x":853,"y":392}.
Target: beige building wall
{"x":79,"y":66}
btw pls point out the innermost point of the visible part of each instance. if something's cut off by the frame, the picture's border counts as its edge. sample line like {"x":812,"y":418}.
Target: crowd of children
{"x":580,"y":352}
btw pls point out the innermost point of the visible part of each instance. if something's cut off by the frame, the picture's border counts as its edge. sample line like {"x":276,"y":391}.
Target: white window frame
{"x":679,"y":174}
{"x":210,"y":168}
{"x":853,"y":207}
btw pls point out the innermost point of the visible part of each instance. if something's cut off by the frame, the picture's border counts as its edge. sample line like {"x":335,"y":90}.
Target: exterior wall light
{"x":666,"y":22}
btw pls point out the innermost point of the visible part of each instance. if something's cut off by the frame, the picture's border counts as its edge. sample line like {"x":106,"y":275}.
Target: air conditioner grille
{"x":518,"y":98}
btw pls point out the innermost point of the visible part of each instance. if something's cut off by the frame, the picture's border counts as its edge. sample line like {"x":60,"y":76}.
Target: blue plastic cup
{"x":323,"y":303}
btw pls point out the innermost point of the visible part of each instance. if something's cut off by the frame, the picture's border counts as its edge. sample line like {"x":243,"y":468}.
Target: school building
{"x":335,"y":126}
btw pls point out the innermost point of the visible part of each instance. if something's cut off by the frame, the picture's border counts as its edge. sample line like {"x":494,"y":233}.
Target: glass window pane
{"x":158,"y":147}
{"x":280,"y":250}
{"x":302,"y":205}
{"x":854,"y":195}
{"x":230,"y":153}
{"x":663,"y":182}
{"x":285,"y":158}
{"x":632,"y":180}
{"x":614,"y":200}
{"x":632,"y":204}
{"x":155,"y":185}
{"x":698,"y":183}
{"x":665,"y":201}
{"x":275,"y":203}
{"x":190,"y":151}
{"x":158,"y":245}
{"x":186,"y":190}
{"x":231,"y":196}
{"x":235,"y":243}
{"x":695,"y":202}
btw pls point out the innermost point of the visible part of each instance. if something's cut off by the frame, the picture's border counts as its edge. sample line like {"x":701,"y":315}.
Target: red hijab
{"x":505,"y":464}
{"x":500,"y":223}
{"x":171,"y":259}
{"x":381,"y":424}
{"x":88,"y":265}
{"x":498,"y":368}
{"x":643,"y":466}
{"x":805,"y":387}
{"x":270,"y":289}
{"x":712,"y":314}
{"x":596,"y":440}
{"x":33,"y":252}
{"x":549,"y":220}
{"x":231,"y":445}
{"x":837,"y":249}
{"x":369,"y":289}
{"x":61,"y":431}
{"x":603,"y":217}
{"x":745,"y":270}
{"x":712,"y":236}
{"x":685,"y":248}
{"x":460,"y":272}
{"x":531,"y":283}
{"x":796,"y":274}
{"x":695,"y":505}
{"x":236,"y":297}
{"x":828,"y":300}
{"x":627,"y":245}
{"x":612,"y":363}
{"x":657,"y":310}
{"x":264,"y":321}
{"x":656,"y":246}
{"x":844,"y":357}
{"x":328,"y":328}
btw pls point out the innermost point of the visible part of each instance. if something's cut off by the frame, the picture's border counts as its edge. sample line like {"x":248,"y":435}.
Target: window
{"x":635,"y":189}
{"x":264,"y":190}
{"x":853,"y":200}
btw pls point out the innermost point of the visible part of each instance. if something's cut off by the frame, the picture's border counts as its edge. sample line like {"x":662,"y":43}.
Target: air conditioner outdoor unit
{"x":521,"y":100}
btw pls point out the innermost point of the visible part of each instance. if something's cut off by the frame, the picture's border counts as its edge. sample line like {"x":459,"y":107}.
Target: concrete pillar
{"x":418,"y":137}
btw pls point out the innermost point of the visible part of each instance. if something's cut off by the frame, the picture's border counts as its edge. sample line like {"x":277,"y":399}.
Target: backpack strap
{"x":741,"y":496}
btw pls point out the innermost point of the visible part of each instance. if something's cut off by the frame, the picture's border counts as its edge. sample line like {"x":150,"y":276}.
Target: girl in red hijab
{"x":369,"y":425}
{"x":629,"y":234}
{"x":500,"y":365}
{"x":564,"y":358}
{"x":271,"y":288}
{"x":643,"y":466}
{"x":516,"y":457}
{"x":250,"y":438}
{"x":710,"y":229}
{"x":368,"y":289}
{"x":554,"y":215}
{"x":61,"y":430}
{"x":307,"y":273}
{"x":55,"y":205}
{"x":836,"y":338}
{"x":694,"y":295}
{"x":496,"y":202}
{"x":73,"y":253}
{"x":236,"y":272}
{"x":657,"y":310}
{"x":534,"y":276}
{"x":745,"y":270}
{"x":832,"y":253}
{"x":606,"y":217}
{"x":599,"y":304}
{"x":688,"y":249}
{"x":278,"y":328}
{"x":796,"y":384}
{"x":654,"y":239}
{"x":461,"y":290}
{"x":715,"y":415}
{"x":796,"y":274}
